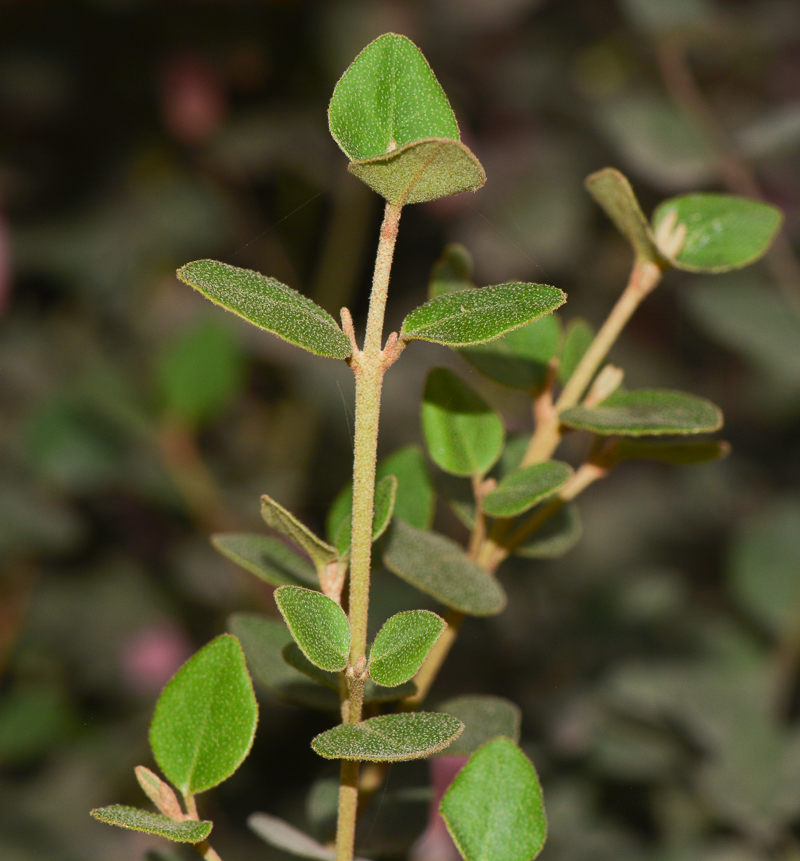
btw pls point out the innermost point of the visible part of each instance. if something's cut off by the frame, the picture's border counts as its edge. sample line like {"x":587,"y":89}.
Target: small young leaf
{"x":385,"y":493}
{"x":484,"y":717}
{"x":476,"y":316}
{"x":464,"y":435}
{"x":451,"y":272}
{"x":389,"y":738}
{"x":283,"y":521}
{"x":205,"y":718}
{"x":723,"y":231}
{"x":438,"y":566}
{"x":646,"y":412}
{"x":555,"y":536}
{"x":577,"y":339}
{"x":187,"y":831}
{"x":614,"y":193}
{"x":268,"y":558}
{"x":263,"y":641}
{"x":318,"y":625}
{"x":402,"y":644}
{"x":494,"y":809}
{"x":159,"y":792}
{"x":421,"y":171}
{"x":684,"y":453}
{"x":270,"y":305}
{"x":283,"y":836}
{"x":518,"y":359}
{"x":522,"y":489}
{"x":387,"y":98}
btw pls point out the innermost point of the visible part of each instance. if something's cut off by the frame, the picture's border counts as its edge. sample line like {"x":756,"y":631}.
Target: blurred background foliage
{"x":656,"y":663}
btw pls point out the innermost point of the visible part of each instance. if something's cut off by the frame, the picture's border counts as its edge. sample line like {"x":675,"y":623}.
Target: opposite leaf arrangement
{"x":392,"y":119}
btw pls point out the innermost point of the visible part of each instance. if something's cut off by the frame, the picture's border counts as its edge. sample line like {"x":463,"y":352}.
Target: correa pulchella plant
{"x":392,"y":119}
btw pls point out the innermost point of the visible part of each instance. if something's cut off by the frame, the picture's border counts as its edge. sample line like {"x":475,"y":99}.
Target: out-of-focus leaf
{"x":646,"y":412}
{"x":268,"y":304}
{"x":519,"y":358}
{"x":200,"y":373}
{"x":388,"y":97}
{"x":283,"y":836}
{"x":682,"y":453}
{"x":205,"y":718}
{"x":451,"y":272}
{"x":437,"y":566}
{"x":421,"y":171}
{"x":402,"y":644}
{"x":658,"y":19}
{"x":477,"y":316}
{"x":555,"y":536}
{"x":389,"y":738}
{"x":524,"y":488}
{"x":34,"y":522}
{"x":577,"y":338}
{"x":266,"y":557}
{"x":494,"y":809}
{"x":282,"y":520}
{"x":385,"y":492}
{"x":723,"y":232}
{"x":764,"y":566}
{"x":263,"y":641}
{"x":318,"y":625}
{"x":484,"y":717}
{"x":187,"y":831}
{"x":464,"y":435}
{"x":34,"y":719}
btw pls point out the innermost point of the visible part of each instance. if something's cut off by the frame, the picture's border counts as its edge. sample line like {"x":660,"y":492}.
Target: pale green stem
{"x":204,"y":848}
{"x":368,"y":365}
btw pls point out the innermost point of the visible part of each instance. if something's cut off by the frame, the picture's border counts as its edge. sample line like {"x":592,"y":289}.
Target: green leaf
{"x":402,"y":644}
{"x":187,"y":831}
{"x":283,"y":521}
{"x":451,"y":272}
{"x":205,"y":718}
{"x":522,"y":489}
{"x":201,"y":373}
{"x":385,"y":492}
{"x":646,"y":412}
{"x":414,"y":499}
{"x":270,"y":305}
{"x":438,"y":566}
{"x":614,"y":193}
{"x":578,"y":337}
{"x":494,"y":809}
{"x":318,"y":625}
{"x":723,"y":232}
{"x":484,"y":717}
{"x":519,"y":358}
{"x":764,"y":566}
{"x":464,"y":435}
{"x":421,"y":171}
{"x":387,"y":98}
{"x":555,"y":536}
{"x":263,"y":641}
{"x":268,"y":558}
{"x":684,"y":453}
{"x":479,"y":315}
{"x":389,"y":738}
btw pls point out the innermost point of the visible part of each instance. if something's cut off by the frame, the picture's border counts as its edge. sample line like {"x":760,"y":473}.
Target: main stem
{"x":369,"y":365}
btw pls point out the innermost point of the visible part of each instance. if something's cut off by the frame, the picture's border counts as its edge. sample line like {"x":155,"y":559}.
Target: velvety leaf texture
{"x":646,"y":412}
{"x":283,"y":521}
{"x":187,"y":831}
{"x":723,"y":231}
{"x":464,"y":435}
{"x":318,"y":625}
{"x":389,"y":738}
{"x":205,"y":718}
{"x":523,"y":488}
{"x":421,"y":171}
{"x":402,"y":644}
{"x":268,"y":304}
{"x":387,"y":98}
{"x":263,"y":641}
{"x":266,"y":557}
{"x":479,"y":315}
{"x":484,"y":717}
{"x":614,"y":193}
{"x":438,"y":566}
{"x":493,"y":809}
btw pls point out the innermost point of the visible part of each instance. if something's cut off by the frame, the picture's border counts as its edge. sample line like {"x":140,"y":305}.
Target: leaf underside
{"x":266,"y":557}
{"x":186,"y":831}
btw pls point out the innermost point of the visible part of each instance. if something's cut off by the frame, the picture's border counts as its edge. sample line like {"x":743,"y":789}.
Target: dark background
{"x":656,"y":663}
